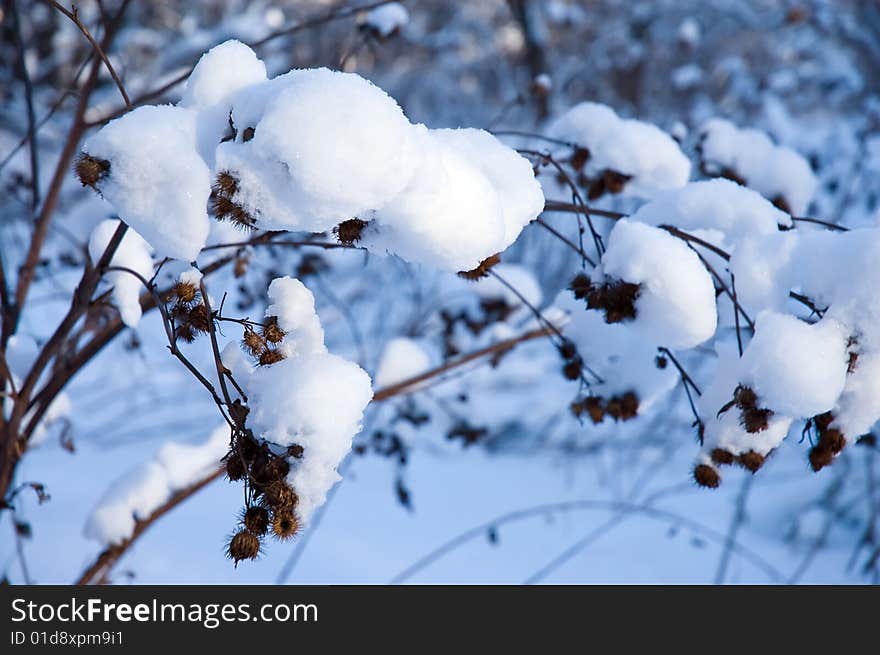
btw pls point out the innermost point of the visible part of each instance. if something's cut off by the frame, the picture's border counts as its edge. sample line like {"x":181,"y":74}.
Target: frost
{"x":157,"y":181}
{"x":401,"y":359}
{"x":133,"y":253}
{"x":634,"y":148}
{"x":777,"y":172}
{"x":140,"y":492}
{"x":675,"y":305}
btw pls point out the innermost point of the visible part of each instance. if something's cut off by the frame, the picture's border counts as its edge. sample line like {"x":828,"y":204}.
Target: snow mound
{"x":141,"y":491}
{"x":133,"y":253}
{"x":311,"y":398}
{"x":634,"y":148}
{"x":157,"y":180}
{"x":675,"y":305}
{"x":777,"y":172}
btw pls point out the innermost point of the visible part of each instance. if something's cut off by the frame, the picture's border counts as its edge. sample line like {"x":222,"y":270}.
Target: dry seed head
{"x":235,"y":468}
{"x":820,"y":457}
{"x":595,"y":409}
{"x":833,"y":440}
{"x":256,"y":520}
{"x":243,"y":545}
{"x":269,"y":357}
{"x":91,"y":170}
{"x":279,"y":495}
{"x":248,"y":134}
{"x":751,"y":460}
{"x":271,"y":331}
{"x":225,"y":185}
{"x":721,"y":456}
{"x":253,"y":343}
{"x":706,"y":476}
{"x":199,"y":318}
{"x":349,"y":232}
{"x":226,"y":210}
{"x":284,"y":524}
{"x":184,"y":333}
{"x":579,"y":157}
{"x":581,"y":285}
{"x":185,"y":291}
{"x":572,"y":369}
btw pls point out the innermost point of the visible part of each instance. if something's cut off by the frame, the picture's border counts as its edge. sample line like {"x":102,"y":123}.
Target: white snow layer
{"x":676,"y":304}
{"x":311,"y":398}
{"x":312,"y":148}
{"x":141,"y":491}
{"x":157,"y":181}
{"x":133,"y":253}
{"x":772,"y":170}
{"x":388,"y":18}
{"x":628,"y":146}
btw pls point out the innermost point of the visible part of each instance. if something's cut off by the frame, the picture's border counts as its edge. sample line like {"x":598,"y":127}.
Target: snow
{"x":632,"y":147}
{"x":723,"y":206}
{"x":311,"y":398}
{"x":401,"y":359}
{"x":307,"y":150}
{"x":724,"y":430}
{"x":450,"y":216}
{"x":516,"y":186}
{"x":774,"y":171}
{"x":676,"y":304}
{"x":858,"y":407}
{"x":294,"y":306}
{"x":388,"y":18}
{"x":133,"y":253}
{"x":157,"y":181}
{"x":796,"y":368}
{"x":141,"y":491}
{"x":340,"y":144}
{"x":624,"y":358}
{"x":221,"y":72}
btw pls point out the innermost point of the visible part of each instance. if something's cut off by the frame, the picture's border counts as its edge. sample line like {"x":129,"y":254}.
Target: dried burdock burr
{"x":752,"y":460}
{"x":279,"y":495}
{"x":185,"y":292}
{"x":706,"y":476}
{"x":243,"y":545}
{"x":91,"y":170}
{"x":235,"y":467}
{"x":579,"y":157}
{"x":820,"y":457}
{"x":271,"y":331}
{"x":199,"y":319}
{"x":256,"y":520}
{"x":225,"y":209}
{"x":284,"y":524}
{"x":581,"y":285}
{"x":572,"y":369}
{"x":269,"y":357}
{"x":721,"y":456}
{"x":349,"y":232}
{"x":225,"y":184}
